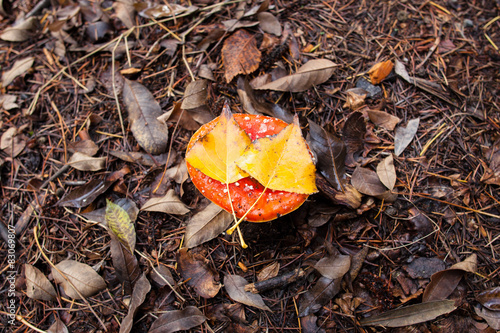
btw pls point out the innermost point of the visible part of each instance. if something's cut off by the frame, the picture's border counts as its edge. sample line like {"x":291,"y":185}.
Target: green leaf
{"x":120,"y":224}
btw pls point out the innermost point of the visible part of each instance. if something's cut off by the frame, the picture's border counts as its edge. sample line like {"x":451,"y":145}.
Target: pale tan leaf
{"x":125,"y":11}
{"x":87,"y":147}
{"x":8,"y":102}
{"x":178,"y":320}
{"x":206,"y":225}
{"x":20,"y":31}
{"x":81,"y":276}
{"x":314,"y":72}
{"x":387,"y":172}
{"x":383,"y":119}
{"x":404,"y":135}
{"x":12,"y":143}
{"x":37,"y":285}
{"x":20,"y":67}
{"x":269,"y":23}
{"x":269,"y":271}
{"x":195,"y":95}
{"x":84,"y":162}
{"x":169,"y":204}
{"x":235,"y":287}
{"x":58,"y":327}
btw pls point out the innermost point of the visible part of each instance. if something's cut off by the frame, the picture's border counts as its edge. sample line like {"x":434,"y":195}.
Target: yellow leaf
{"x":281,"y":162}
{"x":119,"y":223}
{"x":215,"y":153}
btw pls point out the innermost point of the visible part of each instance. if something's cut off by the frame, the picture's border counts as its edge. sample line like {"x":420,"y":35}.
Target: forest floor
{"x":416,"y":164}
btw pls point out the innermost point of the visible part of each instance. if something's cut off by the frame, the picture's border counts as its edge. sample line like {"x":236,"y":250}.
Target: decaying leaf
{"x":269,"y":271}
{"x":491,"y":317}
{"x":269,"y":23}
{"x":490,"y":298}
{"x":169,"y":204}
{"x":19,"y":68}
{"x":235,"y":287}
{"x":37,"y":285}
{"x":143,"y":111}
{"x":367,"y":182}
{"x":12,"y":143}
{"x":334,"y":267}
{"x":308,"y":324}
{"x":141,"y":289}
{"x":99,"y":215}
{"x":281,"y":162}
{"x":120,"y":224}
{"x":314,"y":72}
{"x":387,"y":172}
{"x":58,"y":327}
{"x":379,"y":71}
{"x":84,"y":195}
{"x":77,"y":275}
{"x":84,"y":162}
{"x":125,"y":264}
{"x":330,"y":152}
{"x":355,"y":98}
{"x":404,"y":135}
{"x":353,"y":133}
{"x":194,"y":269}
{"x":20,"y":31}
{"x":318,"y":296}
{"x":206,"y":225}
{"x":87,"y":147}
{"x":215,"y":153}
{"x":195,"y":95}
{"x":240,"y":54}
{"x":443,"y":283}
{"x":410,"y":315}
{"x":383,"y":119}
{"x":178,"y":320}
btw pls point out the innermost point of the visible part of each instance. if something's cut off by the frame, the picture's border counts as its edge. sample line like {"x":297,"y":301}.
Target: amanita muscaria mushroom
{"x":245,"y":192}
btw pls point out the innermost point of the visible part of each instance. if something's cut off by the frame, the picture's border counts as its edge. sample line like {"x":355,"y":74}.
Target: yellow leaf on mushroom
{"x":281,"y":162}
{"x":215,"y":153}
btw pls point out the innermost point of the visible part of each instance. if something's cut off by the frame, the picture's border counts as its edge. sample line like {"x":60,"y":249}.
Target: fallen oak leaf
{"x":282,"y":162}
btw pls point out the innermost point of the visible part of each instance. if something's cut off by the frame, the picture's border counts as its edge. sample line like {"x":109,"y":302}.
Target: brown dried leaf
{"x":308,"y":324}
{"x":79,"y":275}
{"x":490,"y":298}
{"x":84,"y":195}
{"x":125,"y":12}
{"x":264,"y":5}
{"x":84,"y":162}
{"x":12,"y":143}
{"x":491,"y":317}
{"x":318,"y":296}
{"x":178,"y":320}
{"x":410,"y":315}
{"x":383,"y":119}
{"x":314,"y":72}
{"x":141,"y":289}
{"x":492,"y":170}
{"x":195,"y":95}
{"x":169,"y":204}
{"x":143,"y":113}
{"x":58,"y":327}
{"x":206,"y":225}
{"x":87,"y":147}
{"x":162,"y":276}
{"x":404,"y":135}
{"x":353,"y":133}
{"x":183,"y":118}
{"x":37,"y":285}
{"x":269,"y":23}
{"x":355,"y":98}
{"x":269,"y":271}
{"x":367,"y":182}
{"x":443,"y":283}
{"x":330,"y":152}
{"x":20,"y":67}
{"x":193,"y":268}
{"x":20,"y":31}
{"x":240,"y":54}
{"x":140,"y":157}
{"x":380,"y":71}
{"x":235,"y":288}
{"x":333,"y":267}
{"x":125,"y":264}
{"x":387,"y":172}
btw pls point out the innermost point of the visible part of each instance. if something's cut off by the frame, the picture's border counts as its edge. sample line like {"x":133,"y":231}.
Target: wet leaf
{"x":387,"y":172}
{"x":490,"y":298}
{"x":141,"y":289}
{"x":84,"y":162}
{"x":380,"y":70}
{"x":206,"y":225}
{"x":84,"y":195}
{"x":404,"y":135}
{"x":20,"y":31}
{"x":169,"y":204}
{"x":19,"y":68}
{"x":235,"y":288}
{"x":80,"y":276}
{"x":411,"y":315}
{"x":367,"y":182}
{"x":330,"y":152}
{"x":444,"y":282}
{"x":58,"y":327}
{"x":383,"y":119}
{"x":193,"y":268}
{"x":281,"y":162}
{"x":12,"y":143}
{"x":195,"y":95}
{"x":269,"y":271}
{"x":318,"y":296}
{"x":37,"y":285}
{"x":491,"y":317}
{"x":125,"y":264}
{"x":269,"y":23}
{"x":353,"y":133}
{"x":215,"y":153}
{"x":120,"y":225}
{"x":178,"y":320}
{"x":240,"y":54}
{"x":333,"y":267}
{"x":314,"y":72}
{"x":143,"y":111}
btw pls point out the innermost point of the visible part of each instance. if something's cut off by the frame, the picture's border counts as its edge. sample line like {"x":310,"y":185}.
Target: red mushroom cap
{"x":246,"y":191}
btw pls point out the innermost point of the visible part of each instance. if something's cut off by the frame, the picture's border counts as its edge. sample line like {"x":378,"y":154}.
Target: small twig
{"x":275,"y":282}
